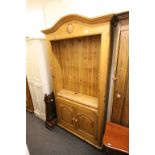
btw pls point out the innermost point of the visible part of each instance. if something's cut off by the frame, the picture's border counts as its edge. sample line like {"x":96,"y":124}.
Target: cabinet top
{"x":79,"y":18}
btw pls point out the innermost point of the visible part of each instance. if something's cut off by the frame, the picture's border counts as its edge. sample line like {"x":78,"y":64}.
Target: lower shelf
{"x":89,"y":101}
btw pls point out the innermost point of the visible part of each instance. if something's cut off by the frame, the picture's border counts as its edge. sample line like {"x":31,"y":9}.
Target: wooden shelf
{"x":80,"y":98}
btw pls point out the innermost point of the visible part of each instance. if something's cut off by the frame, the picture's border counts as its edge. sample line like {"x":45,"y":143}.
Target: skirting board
{"x":41,"y":116}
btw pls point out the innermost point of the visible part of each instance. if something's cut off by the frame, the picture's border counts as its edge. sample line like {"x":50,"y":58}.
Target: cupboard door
{"x":66,"y":114}
{"x":86,"y":122}
{"x":120,"y":109}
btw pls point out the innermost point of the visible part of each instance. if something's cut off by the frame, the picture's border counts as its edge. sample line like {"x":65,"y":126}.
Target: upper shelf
{"x":80,"y":98}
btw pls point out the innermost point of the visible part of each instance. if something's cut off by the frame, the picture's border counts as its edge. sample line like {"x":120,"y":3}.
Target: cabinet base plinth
{"x":79,"y":136}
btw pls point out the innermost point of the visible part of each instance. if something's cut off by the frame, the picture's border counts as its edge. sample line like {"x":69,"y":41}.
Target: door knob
{"x":73,"y":118}
{"x":118,"y":95}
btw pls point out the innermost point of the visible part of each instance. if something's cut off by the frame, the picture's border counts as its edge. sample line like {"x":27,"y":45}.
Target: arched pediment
{"x":79,"y":18}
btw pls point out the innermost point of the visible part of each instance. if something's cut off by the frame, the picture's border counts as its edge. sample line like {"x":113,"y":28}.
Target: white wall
{"x":34,"y":23}
{"x":55,"y":9}
{"x":48,"y":12}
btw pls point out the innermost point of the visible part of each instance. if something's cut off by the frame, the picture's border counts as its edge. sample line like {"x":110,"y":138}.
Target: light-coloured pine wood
{"x":74,"y":17}
{"x":66,"y":115}
{"x":79,"y":62}
{"x":80,"y":98}
{"x":74,"y":103}
{"x":105,"y":61}
{"x":56,"y":69}
{"x":86,"y":122}
{"x":78,"y":118}
{"x":81,"y":51}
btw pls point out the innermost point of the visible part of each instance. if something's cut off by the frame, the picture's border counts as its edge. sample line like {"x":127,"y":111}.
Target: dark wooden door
{"x":120,"y":108}
{"x":29,"y":103}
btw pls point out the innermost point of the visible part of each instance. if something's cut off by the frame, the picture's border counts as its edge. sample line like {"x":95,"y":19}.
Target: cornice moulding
{"x":71,"y":17}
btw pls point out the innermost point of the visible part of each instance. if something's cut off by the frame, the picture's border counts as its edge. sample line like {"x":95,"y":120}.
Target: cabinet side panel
{"x":56,"y":66}
{"x":103,"y":83}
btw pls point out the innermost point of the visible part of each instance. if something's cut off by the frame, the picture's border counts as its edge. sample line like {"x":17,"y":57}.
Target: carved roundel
{"x":69,"y":28}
